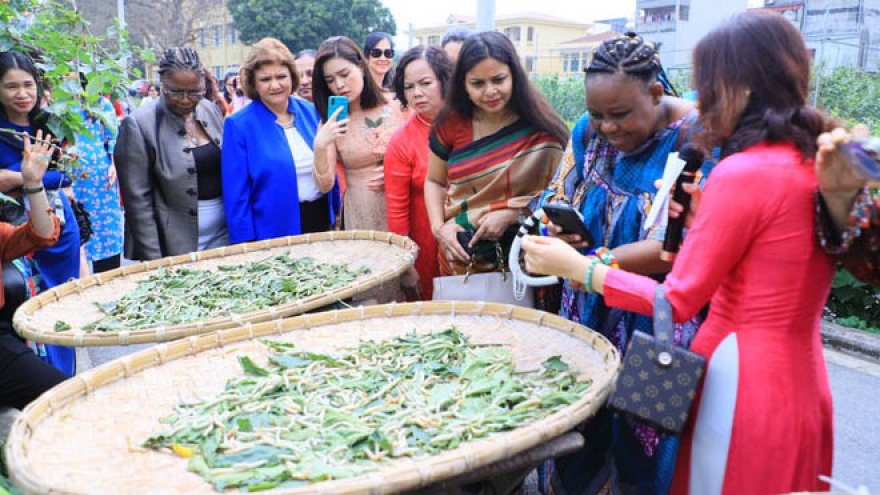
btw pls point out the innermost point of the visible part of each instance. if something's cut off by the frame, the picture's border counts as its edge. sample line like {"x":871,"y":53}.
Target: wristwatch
{"x":33,"y":190}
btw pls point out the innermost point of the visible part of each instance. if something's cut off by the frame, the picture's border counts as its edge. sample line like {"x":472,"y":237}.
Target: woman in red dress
{"x":763,"y":422}
{"x":420,"y":83}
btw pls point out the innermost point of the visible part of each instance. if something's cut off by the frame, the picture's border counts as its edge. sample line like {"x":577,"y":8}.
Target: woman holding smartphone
{"x":268,"y":157}
{"x":356,"y":145}
{"x":752,"y":252}
{"x":494,"y":147}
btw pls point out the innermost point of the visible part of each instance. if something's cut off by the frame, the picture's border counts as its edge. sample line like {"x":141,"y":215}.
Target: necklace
{"x":190,"y":125}
{"x":286,"y":123}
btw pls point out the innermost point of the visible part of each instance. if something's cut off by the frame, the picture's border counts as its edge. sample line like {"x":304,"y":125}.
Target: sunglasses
{"x":376,"y":53}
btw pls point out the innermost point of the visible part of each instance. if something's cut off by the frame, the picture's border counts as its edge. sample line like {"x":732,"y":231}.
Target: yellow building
{"x":217,"y":41}
{"x":537,"y":37}
{"x":570,"y":57}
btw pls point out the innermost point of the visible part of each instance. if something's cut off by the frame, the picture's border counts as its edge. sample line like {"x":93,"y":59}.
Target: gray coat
{"x":159,"y":191}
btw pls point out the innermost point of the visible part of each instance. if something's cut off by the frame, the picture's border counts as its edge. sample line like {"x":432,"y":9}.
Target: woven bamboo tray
{"x":386,"y":255}
{"x":82,"y":436}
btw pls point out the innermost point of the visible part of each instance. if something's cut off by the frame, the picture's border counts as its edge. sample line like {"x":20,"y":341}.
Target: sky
{"x":423,"y":13}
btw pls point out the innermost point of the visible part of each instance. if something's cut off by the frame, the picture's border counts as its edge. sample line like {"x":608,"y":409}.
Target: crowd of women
{"x":452,"y":147}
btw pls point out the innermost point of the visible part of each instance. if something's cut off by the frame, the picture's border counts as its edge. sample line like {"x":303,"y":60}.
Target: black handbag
{"x":659,"y":380}
{"x":83,"y":221}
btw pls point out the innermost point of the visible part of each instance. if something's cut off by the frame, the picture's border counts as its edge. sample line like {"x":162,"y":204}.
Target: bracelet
{"x":607,"y":257}
{"x":588,"y":279}
{"x":33,"y":190}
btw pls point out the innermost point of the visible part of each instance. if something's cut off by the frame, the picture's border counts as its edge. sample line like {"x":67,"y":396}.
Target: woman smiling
{"x":268,"y":159}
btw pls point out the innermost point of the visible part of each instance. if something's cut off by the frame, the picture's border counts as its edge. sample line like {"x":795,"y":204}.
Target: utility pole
{"x":485,"y":15}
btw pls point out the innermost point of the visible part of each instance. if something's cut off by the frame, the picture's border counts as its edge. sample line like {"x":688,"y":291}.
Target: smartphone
{"x":571,"y":222}
{"x":336,"y":102}
{"x":865,"y":155}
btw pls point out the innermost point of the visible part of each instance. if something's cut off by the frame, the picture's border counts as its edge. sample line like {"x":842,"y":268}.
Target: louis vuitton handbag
{"x":658,"y":381}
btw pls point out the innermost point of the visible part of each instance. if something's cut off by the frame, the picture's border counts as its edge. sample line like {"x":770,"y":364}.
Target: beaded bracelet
{"x":607,"y":257}
{"x":588,"y":279}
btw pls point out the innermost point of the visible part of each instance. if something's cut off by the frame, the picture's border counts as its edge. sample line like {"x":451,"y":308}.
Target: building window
{"x":201,"y":35}
{"x":530,"y":63}
{"x":683,"y":12}
{"x":571,"y":62}
{"x":218,"y":34}
{"x":513,"y":33}
{"x":233,"y":36}
{"x":433,"y":40}
{"x":218,"y":72}
{"x":531,"y":34}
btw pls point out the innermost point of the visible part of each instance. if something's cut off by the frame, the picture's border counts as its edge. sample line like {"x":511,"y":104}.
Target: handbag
{"x":496,"y":286}
{"x":659,"y":380}
{"x":83,"y":221}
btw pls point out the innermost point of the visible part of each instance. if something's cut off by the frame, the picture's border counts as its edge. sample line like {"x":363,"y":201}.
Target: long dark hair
{"x":436,"y":58}
{"x":344,"y":48}
{"x":17,"y":60}
{"x":525,"y":100}
{"x":752,"y":75}
{"x":370,"y":42}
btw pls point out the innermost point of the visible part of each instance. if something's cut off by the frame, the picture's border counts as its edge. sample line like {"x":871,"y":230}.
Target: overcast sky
{"x":423,"y":13}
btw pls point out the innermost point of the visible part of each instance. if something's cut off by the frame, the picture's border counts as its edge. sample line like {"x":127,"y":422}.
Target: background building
{"x":843,"y":32}
{"x":217,"y":42}
{"x":538,"y":38}
{"x":677,"y":25}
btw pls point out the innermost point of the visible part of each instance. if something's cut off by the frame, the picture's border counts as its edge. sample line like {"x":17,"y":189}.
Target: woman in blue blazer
{"x":268,"y":185}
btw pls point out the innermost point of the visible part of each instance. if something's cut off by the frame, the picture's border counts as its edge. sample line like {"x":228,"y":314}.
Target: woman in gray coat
{"x":168,"y":163}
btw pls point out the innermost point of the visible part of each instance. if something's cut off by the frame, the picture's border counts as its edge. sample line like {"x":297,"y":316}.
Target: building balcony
{"x":655,"y":27}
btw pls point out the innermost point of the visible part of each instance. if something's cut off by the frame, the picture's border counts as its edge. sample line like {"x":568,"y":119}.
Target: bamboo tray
{"x":386,"y":255}
{"x":81,"y":436}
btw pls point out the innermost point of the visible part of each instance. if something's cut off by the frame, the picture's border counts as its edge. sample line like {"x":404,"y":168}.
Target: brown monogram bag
{"x":659,"y":380}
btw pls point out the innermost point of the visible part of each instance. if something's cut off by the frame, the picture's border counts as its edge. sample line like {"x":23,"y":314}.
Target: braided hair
{"x":180,"y":58}
{"x":631,"y":55}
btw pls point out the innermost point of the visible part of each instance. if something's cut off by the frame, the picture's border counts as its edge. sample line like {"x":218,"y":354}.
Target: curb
{"x":861,"y":344}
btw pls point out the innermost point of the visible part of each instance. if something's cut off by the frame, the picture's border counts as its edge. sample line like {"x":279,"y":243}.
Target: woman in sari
{"x":494,"y":147}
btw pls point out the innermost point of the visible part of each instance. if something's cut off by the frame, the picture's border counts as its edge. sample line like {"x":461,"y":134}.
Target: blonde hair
{"x":264,"y":52}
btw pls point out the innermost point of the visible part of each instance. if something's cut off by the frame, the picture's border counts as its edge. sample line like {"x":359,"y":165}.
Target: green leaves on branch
{"x":307,"y":417}
{"x":55,"y":34}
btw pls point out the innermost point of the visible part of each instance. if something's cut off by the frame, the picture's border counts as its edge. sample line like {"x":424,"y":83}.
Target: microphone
{"x":693,"y":158}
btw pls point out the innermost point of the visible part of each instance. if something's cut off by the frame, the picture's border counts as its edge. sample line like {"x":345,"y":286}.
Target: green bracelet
{"x":32,"y":190}
{"x":588,"y":280}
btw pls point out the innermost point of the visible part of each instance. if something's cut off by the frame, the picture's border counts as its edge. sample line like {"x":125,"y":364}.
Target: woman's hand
{"x":573,"y":240}
{"x":551,"y":256}
{"x":35,"y":159}
{"x":676,"y":208}
{"x":834,"y":171}
{"x":331,"y":130}
{"x":493,"y":224}
{"x":111,"y":176}
{"x":409,"y":283}
{"x":447,"y":239}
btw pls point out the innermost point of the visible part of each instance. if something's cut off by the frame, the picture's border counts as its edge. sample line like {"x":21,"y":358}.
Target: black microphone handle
{"x":675,"y":226}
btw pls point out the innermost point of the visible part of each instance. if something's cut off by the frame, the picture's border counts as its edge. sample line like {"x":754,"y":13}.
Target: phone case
{"x":336,"y":102}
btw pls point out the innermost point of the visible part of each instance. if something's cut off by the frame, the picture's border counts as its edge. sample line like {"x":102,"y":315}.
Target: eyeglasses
{"x":376,"y":53}
{"x":177,"y":94}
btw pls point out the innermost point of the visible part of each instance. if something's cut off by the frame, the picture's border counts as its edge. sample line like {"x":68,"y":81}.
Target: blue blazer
{"x":260,"y":194}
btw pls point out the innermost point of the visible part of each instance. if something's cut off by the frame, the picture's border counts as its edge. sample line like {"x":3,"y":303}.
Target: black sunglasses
{"x":376,"y":53}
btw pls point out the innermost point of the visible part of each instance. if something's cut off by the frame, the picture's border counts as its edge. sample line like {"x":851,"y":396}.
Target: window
{"x":571,"y":62}
{"x":218,"y":72}
{"x":233,"y":36}
{"x":683,"y":12}
{"x":218,"y":34}
{"x":433,"y":40}
{"x":531,"y":34}
{"x":201,"y":35}
{"x":513,"y":33}
{"x":530,"y":63}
